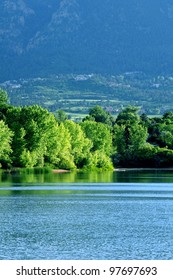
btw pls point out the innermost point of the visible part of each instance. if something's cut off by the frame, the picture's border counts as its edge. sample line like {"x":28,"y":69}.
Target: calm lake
{"x":109,"y":215}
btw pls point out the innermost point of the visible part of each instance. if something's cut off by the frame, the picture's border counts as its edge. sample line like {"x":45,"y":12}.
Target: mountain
{"x":43,"y":37}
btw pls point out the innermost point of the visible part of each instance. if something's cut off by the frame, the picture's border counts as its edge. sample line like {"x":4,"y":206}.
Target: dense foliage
{"x":31,"y":136}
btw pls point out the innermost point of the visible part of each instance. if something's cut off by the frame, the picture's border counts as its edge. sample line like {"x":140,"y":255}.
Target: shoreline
{"x":60,"y":171}
{"x":142,"y":169}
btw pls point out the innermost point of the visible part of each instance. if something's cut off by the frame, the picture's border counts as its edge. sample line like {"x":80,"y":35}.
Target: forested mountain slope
{"x":42,"y":37}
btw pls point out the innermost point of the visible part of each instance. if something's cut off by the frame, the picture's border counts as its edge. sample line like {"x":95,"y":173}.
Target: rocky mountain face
{"x":41,"y":37}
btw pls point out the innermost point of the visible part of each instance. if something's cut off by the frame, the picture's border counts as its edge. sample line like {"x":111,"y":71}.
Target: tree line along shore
{"x":31,"y":137}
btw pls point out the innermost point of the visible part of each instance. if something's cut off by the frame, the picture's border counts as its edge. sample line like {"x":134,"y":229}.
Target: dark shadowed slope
{"x":40,"y":37}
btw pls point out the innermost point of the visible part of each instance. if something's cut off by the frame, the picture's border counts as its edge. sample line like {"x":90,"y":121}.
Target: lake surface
{"x":111,"y":215}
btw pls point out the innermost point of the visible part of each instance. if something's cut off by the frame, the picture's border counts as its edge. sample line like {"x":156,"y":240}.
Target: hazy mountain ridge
{"x":74,"y":36}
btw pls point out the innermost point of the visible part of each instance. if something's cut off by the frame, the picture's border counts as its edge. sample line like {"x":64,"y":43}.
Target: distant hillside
{"x":76,"y":94}
{"x":43,"y":37}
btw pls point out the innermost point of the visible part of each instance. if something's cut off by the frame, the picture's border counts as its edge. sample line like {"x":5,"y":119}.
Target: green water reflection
{"x":126,"y":176}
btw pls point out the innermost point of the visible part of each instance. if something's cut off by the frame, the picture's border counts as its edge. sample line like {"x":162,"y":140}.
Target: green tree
{"x":129,"y":138}
{"x":80,"y":145}
{"x":145,"y":120}
{"x":165,"y":135}
{"x":163,"y":157}
{"x":154,"y":130}
{"x":59,"y":151}
{"x":98,"y":114}
{"x":101,"y":150}
{"x":61,"y":116}
{"x":12,"y":117}
{"x":128,"y":116}
{"x":98,"y":160}
{"x":168,"y":118}
{"x":145,"y":156}
{"x":3,"y":104}
{"x":33,"y":128}
{"x":100,"y":136}
{"x":3,"y":98}
{"x":5,"y":144}
{"x":129,"y":135}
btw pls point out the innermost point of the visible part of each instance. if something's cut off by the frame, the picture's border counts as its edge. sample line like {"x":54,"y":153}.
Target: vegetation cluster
{"x":31,"y":136}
